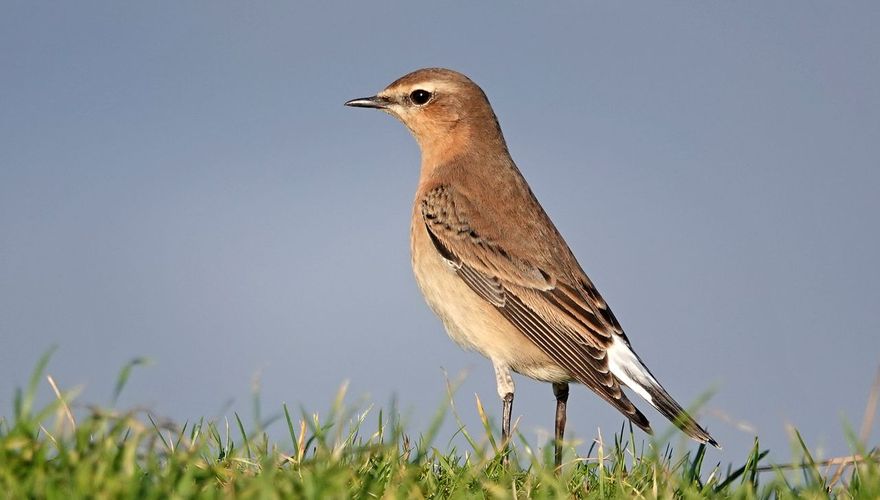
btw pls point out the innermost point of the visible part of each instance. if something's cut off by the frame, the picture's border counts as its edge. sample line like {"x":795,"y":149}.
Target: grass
{"x":46,"y":453}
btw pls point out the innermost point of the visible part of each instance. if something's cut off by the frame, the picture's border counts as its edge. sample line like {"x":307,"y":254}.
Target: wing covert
{"x":556,"y":316}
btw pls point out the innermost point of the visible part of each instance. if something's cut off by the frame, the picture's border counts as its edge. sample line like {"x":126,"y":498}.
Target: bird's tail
{"x":629,"y":369}
{"x":670,"y":409}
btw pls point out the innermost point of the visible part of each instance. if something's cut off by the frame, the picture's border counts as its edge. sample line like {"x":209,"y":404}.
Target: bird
{"x":495,"y":269}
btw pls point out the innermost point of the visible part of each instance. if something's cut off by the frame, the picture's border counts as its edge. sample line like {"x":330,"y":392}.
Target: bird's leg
{"x":507,"y":407}
{"x":560,"y":390}
{"x":505,"y":391}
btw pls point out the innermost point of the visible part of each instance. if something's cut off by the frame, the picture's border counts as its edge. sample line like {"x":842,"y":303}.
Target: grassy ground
{"x":46,"y":452}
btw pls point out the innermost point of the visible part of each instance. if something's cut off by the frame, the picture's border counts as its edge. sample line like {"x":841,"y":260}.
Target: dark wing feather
{"x":522,"y":293}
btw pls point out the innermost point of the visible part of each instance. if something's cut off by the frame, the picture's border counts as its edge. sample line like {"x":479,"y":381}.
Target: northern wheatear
{"x":494,"y":268}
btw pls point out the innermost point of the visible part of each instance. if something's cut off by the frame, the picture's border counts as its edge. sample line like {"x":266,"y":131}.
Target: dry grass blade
{"x":867,"y":423}
{"x":737,"y":423}
{"x":870,"y":409}
{"x":49,"y":435}
{"x":841,"y":461}
{"x":484,"y":419}
{"x":64,"y":405}
{"x":301,"y":449}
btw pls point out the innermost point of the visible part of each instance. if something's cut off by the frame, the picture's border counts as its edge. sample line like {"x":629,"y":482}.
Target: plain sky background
{"x":180,"y":180}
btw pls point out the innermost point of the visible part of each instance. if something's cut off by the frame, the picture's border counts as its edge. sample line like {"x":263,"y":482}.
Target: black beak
{"x":369,"y":102}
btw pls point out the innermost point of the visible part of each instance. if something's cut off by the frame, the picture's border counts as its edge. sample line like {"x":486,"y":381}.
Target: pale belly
{"x":473,"y":323}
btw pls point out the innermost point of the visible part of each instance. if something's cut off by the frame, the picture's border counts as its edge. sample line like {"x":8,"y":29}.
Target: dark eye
{"x":419,"y":96}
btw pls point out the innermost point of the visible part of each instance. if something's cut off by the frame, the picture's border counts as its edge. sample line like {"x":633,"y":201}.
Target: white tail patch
{"x":624,"y":365}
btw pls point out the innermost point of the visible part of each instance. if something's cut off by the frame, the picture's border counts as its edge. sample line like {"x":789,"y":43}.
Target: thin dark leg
{"x":561,"y":392}
{"x":505,"y":423}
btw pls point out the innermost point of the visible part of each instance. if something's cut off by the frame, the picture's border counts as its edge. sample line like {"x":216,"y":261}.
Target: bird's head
{"x":439,"y":106}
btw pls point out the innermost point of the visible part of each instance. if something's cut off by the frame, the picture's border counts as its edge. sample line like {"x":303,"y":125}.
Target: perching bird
{"x":494,"y":268}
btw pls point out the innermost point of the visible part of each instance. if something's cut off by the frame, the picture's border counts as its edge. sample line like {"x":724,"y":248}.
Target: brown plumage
{"x":493,"y":266}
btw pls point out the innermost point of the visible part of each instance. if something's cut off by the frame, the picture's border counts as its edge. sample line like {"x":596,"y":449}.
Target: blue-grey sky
{"x":180,"y":180}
